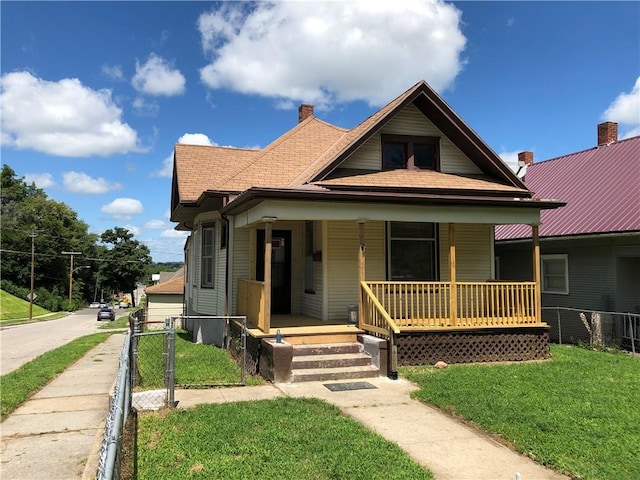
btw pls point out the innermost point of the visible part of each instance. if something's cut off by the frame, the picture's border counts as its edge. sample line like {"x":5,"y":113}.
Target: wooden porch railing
{"x":375,"y":318}
{"x":427,"y":305}
{"x":251,"y":303}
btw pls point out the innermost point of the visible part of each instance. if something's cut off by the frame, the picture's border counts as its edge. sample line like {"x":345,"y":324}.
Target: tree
{"x":125,"y":261}
{"x":26,"y":210}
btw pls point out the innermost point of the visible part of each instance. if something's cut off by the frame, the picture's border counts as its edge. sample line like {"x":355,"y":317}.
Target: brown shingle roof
{"x":313,"y":149}
{"x":422,"y":179}
{"x":200,"y":168}
{"x":173,"y":286}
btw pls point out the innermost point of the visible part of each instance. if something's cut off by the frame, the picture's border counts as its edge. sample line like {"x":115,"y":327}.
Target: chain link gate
{"x":205,"y":354}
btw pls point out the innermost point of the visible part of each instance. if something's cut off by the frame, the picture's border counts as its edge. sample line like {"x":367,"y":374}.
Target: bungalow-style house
{"x":590,"y":249}
{"x":382,"y":234}
{"x":166,"y":298}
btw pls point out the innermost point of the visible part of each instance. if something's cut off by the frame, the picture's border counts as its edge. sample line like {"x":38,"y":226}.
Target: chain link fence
{"x":597,"y":328}
{"x":154,"y":360}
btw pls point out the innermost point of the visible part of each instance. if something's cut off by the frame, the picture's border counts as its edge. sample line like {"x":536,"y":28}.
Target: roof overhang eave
{"x":256,"y":195}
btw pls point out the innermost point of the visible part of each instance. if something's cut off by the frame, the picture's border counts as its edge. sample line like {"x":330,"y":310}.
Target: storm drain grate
{"x":343,"y":387}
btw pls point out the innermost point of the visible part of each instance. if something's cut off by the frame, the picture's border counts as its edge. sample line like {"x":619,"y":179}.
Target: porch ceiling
{"x":310,"y":210}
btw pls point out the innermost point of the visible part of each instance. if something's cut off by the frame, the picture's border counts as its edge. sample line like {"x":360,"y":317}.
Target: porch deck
{"x":299,"y":329}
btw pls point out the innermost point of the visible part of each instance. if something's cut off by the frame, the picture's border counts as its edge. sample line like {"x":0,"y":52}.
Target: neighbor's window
{"x":207,"y":258}
{"x":410,"y":152}
{"x":555,"y":274}
{"x":309,"y":264}
{"x":412,"y":251}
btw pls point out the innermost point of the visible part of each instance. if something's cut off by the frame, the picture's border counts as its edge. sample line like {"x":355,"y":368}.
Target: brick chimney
{"x":304,"y":111}
{"x":607,"y":133}
{"x":525,"y":157}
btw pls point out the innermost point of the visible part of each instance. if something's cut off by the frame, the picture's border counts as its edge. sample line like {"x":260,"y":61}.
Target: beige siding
{"x":312,"y":302}
{"x":412,"y":122}
{"x":342,"y":266}
{"x":473,"y":252}
{"x":240,"y":264}
{"x":161,"y":306}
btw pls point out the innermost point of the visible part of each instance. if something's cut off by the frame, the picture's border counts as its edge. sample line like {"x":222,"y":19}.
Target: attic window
{"x":410,"y":152}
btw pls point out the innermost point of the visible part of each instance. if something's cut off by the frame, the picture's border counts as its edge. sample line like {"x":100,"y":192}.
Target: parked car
{"x":94,"y":305}
{"x":106,"y":313}
{"x":123,"y":305}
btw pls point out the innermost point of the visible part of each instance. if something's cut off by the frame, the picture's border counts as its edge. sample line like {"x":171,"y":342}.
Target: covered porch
{"x":386,"y":308}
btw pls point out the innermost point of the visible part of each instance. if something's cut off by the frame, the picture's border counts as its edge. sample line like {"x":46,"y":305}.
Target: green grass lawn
{"x":195,"y":364}
{"x":19,"y":385}
{"x":578,"y":412}
{"x":284,"y":438}
{"x":15,"y":310}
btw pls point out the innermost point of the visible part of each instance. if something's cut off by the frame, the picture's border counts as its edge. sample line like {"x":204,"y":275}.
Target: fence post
{"x":134,"y":350}
{"x":393,"y":356}
{"x":244,"y":350}
{"x":171,"y":365}
{"x":633,"y":338}
{"x":559,"y":326}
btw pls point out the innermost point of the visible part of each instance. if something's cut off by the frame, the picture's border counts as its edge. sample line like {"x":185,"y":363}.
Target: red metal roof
{"x":601,"y":187}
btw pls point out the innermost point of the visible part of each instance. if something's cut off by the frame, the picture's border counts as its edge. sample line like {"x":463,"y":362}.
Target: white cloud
{"x":145,"y":108}
{"x":133,"y":229}
{"x":511,"y":159}
{"x":113,"y":71}
{"x":188,"y":138}
{"x":154,"y":224}
{"x":170,"y":233}
{"x":42,"y":180}
{"x":81,"y":183}
{"x":123,"y":208}
{"x":625,"y":109}
{"x":157,"y":77}
{"x":62,"y":118}
{"x":327,"y":52}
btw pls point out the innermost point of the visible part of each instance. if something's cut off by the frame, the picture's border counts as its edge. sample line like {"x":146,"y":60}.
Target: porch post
{"x":267,"y":272}
{"x":453,"y":296}
{"x":536,"y":270}
{"x":361,"y":269}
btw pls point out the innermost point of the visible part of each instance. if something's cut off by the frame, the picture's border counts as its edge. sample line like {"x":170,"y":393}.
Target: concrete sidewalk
{"x":447,"y":447}
{"x":57,"y":433}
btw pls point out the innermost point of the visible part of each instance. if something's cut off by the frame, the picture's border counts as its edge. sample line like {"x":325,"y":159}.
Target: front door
{"x":280,"y":268}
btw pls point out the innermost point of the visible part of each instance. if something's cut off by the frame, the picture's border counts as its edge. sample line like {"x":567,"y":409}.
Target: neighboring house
{"x":590,"y":249}
{"x":166,"y":298}
{"x":393,"y":219}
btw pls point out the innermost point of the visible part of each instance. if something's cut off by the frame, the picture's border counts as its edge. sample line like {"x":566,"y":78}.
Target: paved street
{"x":22,"y":343}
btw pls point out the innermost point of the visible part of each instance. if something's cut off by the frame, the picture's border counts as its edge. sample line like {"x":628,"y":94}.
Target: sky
{"x":94,"y":95}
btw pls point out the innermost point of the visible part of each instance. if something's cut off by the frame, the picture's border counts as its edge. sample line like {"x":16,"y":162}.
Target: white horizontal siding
{"x":474,"y":257}
{"x":342,"y":266}
{"x":411,"y":121}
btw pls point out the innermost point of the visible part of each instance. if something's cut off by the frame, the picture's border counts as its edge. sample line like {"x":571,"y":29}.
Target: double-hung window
{"x":410,"y":152}
{"x":412,"y":251}
{"x":207,"y":257}
{"x":555,"y":274}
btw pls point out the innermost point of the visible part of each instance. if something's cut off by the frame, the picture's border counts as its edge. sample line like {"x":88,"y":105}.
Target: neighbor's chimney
{"x":304,"y":111}
{"x":525,"y":158}
{"x":607,"y":133}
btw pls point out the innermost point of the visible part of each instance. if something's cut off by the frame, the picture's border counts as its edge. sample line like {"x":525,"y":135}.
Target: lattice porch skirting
{"x":518,"y":344}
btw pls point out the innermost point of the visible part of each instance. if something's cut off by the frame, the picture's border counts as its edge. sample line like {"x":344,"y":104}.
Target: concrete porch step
{"x":341,"y":373}
{"x":326,"y":349}
{"x":330,"y":361}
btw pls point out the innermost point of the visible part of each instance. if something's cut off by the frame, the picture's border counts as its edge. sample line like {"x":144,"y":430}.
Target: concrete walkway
{"x":447,"y":447}
{"x":57,"y":433}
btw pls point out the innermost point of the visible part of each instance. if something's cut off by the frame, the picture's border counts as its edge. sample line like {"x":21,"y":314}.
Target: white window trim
{"x":211,"y":258}
{"x":565,"y":258}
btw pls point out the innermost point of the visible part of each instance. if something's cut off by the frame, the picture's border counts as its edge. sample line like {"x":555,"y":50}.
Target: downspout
{"x":226,"y":272}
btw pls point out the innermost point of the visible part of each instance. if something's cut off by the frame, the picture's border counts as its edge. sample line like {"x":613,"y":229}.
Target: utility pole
{"x":33,"y":257}
{"x":71,"y":271}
